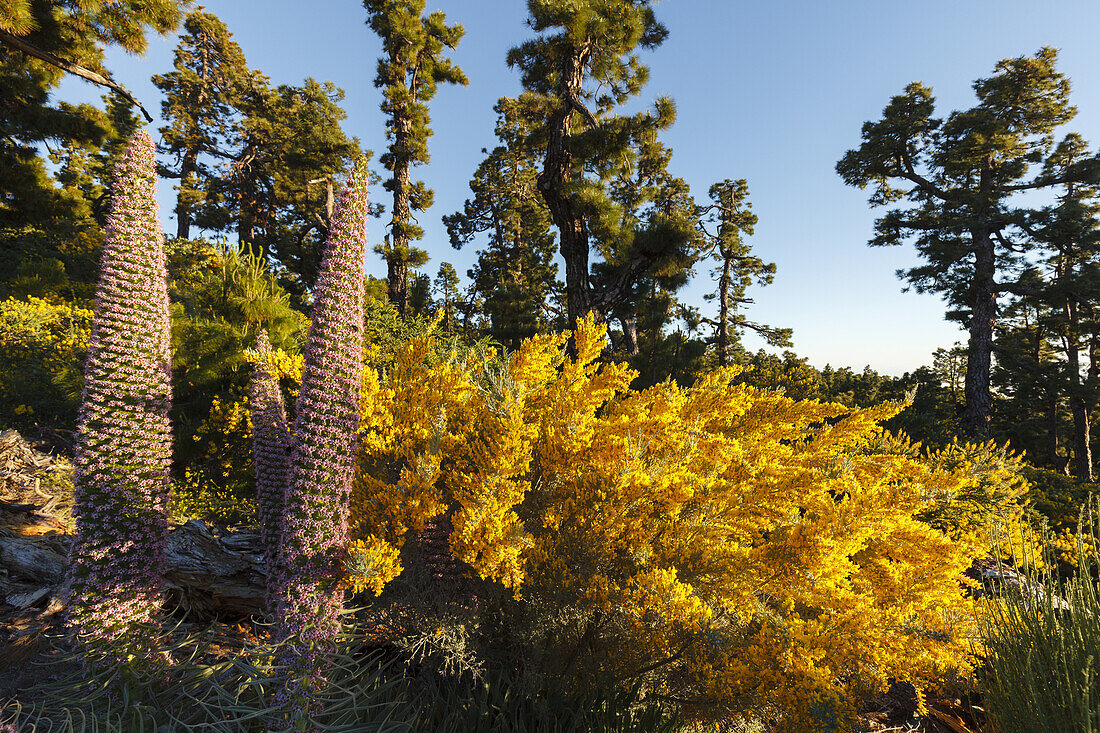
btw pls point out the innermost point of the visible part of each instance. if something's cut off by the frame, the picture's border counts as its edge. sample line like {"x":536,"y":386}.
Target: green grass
{"x":367,"y":690}
{"x":1043,"y":649}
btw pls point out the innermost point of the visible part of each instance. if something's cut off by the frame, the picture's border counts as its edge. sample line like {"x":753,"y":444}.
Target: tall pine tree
{"x":958,"y":177}
{"x":1069,"y":231}
{"x":737,"y":269}
{"x":576,"y":73}
{"x":514,"y":272}
{"x":410,"y":69}
{"x":201,"y":99}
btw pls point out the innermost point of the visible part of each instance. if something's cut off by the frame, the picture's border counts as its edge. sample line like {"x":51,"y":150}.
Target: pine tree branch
{"x":909,"y":172}
{"x":31,"y":50}
{"x":1041,"y":183}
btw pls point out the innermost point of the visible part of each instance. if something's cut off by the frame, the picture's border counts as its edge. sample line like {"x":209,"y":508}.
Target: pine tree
{"x":958,"y":177}
{"x":445,"y":289}
{"x":514,"y":272}
{"x":576,"y":73}
{"x":411,"y":67}
{"x":738,"y":268}
{"x":200,"y":100}
{"x":124,"y":440}
{"x":42,"y":224}
{"x":290,"y":147}
{"x":1027,"y":376}
{"x":649,"y":208}
{"x":314,"y":531}
{"x":61,"y":33}
{"x":1069,"y":231}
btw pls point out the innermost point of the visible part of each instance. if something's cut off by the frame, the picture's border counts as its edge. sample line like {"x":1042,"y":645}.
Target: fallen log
{"x":208,"y":574}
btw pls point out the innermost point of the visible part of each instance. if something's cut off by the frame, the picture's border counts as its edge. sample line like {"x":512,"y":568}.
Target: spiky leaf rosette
{"x":314,"y":534}
{"x":124,"y":442}
{"x":271,"y":456}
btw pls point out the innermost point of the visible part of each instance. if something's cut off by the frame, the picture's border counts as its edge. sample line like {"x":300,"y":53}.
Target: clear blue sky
{"x":773,"y":92}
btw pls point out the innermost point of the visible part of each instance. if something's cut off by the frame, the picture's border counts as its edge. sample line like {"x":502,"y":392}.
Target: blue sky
{"x":774,"y":92}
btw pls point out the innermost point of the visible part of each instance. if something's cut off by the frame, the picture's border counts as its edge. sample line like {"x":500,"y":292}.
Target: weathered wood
{"x":31,"y":559}
{"x":207,"y":575}
{"x":210,"y":575}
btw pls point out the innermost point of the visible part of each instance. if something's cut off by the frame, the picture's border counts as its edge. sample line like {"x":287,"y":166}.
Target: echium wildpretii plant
{"x":124,"y":441}
{"x":271,"y":456}
{"x":314,"y":533}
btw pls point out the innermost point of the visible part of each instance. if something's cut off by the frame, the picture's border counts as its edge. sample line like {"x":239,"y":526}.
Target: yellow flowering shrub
{"x":215,"y":483}
{"x":731,"y":548}
{"x":43,"y":344}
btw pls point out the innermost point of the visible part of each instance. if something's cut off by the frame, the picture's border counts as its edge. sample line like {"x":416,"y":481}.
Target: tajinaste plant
{"x":271,"y":456}
{"x":124,"y":441}
{"x":314,"y":533}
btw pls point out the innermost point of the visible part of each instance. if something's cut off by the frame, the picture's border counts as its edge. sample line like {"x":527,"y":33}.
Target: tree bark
{"x":630,"y":334}
{"x":979,"y":399}
{"x":397,"y":266}
{"x":724,"y":311}
{"x":1082,"y":450}
{"x":190,"y":161}
{"x":208,"y":575}
{"x":556,"y":172}
{"x":188,"y":166}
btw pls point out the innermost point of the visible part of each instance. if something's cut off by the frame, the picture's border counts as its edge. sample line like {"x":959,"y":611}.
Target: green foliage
{"x":252,"y":159}
{"x":367,"y":688}
{"x":959,"y":178}
{"x":514,"y":273}
{"x":738,"y":268}
{"x":43,"y":344}
{"x":200,"y":97}
{"x":197,"y":498}
{"x":410,"y":69}
{"x":1057,"y":497}
{"x":500,"y":703}
{"x":790,"y":374}
{"x":1042,"y":647}
{"x":221,"y":298}
{"x":604,"y":174}
{"x":43,"y":215}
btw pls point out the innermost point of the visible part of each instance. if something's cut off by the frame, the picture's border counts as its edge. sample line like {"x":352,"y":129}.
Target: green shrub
{"x":1043,"y":648}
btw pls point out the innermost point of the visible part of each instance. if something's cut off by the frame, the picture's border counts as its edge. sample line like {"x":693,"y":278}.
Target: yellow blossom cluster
{"x":731,"y":547}
{"x":44,"y":342}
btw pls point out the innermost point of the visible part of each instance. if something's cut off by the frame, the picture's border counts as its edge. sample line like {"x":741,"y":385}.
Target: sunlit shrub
{"x":193,"y":497}
{"x":43,"y":344}
{"x":728,"y":547}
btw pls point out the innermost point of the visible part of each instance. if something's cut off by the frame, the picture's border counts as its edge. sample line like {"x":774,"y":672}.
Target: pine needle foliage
{"x":1042,"y":644}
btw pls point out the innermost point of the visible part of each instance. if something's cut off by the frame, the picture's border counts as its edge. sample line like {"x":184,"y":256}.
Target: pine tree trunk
{"x":724,"y":311}
{"x":246,"y":224}
{"x":630,"y":334}
{"x":979,"y":399}
{"x":188,"y":166}
{"x":1082,"y":451}
{"x":397,"y":266}
{"x":189,"y":163}
{"x":556,"y":172}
